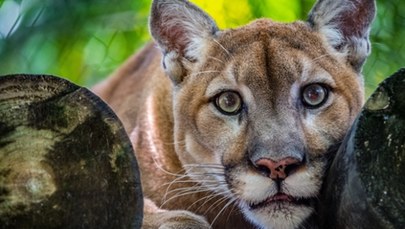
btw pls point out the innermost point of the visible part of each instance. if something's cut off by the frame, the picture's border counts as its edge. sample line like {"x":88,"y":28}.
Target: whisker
{"x":195,"y":202}
{"x":192,"y":189}
{"x":216,"y":203}
{"x":205,"y":174}
{"x":204,"y":72}
{"x":183,"y":194}
{"x":223,"y":209}
{"x":191,"y":181}
{"x":185,"y":189}
{"x":180,"y":179}
{"x":214,"y":58}
{"x":212,"y":196}
{"x":197,"y":186}
{"x":319,"y":57}
{"x":223,"y":48}
{"x":207,"y":200}
{"x":180,"y":173}
{"x":165,"y":171}
{"x":188,"y":179}
{"x":170,"y":185}
{"x":232,"y":209}
{"x":204,"y":165}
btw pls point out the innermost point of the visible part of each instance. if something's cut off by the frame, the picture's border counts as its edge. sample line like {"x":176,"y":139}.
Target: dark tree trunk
{"x":365,"y":186}
{"x":65,"y":160}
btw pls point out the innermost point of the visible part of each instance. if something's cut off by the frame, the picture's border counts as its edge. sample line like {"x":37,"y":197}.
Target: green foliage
{"x":85,"y":41}
{"x":388,"y":43}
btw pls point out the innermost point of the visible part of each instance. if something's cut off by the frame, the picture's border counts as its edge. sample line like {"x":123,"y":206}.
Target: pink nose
{"x":280,"y":169}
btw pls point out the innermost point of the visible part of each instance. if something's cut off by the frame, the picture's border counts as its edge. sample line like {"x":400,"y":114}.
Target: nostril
{"x":291,"y":168}
{"x":265,"y":171}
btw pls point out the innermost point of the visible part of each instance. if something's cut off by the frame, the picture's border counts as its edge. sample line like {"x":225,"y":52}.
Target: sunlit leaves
{"x":227,"y":13}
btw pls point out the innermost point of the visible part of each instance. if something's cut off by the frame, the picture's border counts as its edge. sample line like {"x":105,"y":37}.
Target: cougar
{"x":234,"y":128}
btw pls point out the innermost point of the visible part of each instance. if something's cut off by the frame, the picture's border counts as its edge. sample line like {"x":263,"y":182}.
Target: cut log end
{"x":65,"y":159}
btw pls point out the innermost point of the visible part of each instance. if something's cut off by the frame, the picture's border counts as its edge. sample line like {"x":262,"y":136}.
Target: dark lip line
{"x":285,"y":199}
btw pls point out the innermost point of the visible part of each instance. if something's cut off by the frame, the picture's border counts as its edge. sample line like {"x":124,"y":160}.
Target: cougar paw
{"x":175,"y":220}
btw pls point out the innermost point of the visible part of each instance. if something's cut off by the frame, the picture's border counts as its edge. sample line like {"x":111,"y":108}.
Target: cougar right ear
{"x":346,"y":26}
{"x":181,"y":30}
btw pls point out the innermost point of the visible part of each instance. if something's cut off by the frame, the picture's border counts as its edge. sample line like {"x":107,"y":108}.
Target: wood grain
{"x":65,"y":160}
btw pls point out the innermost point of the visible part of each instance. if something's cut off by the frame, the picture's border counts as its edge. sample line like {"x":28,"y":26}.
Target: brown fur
{"x":181,"y":140}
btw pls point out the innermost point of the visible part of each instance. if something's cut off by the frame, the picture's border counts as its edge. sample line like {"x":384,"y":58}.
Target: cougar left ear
{"x":346,"y":26}
{"x":180,"y":29}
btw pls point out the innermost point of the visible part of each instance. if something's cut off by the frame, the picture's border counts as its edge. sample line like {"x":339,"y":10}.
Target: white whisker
{"x":232,"y":209}
{"x":165,"y":171}
{"x":212,"y":196}
{"x":319,"y":57}
{"x":222,"y":210}
{"x":185,"y":189}
{"x":175,"y":181}
{"x":200,"y":175}
{"x":185,"y":193}
{"x":189,"y":181}
{"x":205,"y":165}
{"x":204,"y":72}
{"x":197,"y":186}
{"x":216,"y":203}
{"x":223,"y":48}
{"x":206,"y":198}
{"x":214,"y":58}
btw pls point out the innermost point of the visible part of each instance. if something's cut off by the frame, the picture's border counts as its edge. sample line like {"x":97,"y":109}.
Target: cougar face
{"x":259,"y":115}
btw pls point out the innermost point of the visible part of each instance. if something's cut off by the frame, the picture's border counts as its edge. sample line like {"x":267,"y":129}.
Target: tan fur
{"x":194,"y":158}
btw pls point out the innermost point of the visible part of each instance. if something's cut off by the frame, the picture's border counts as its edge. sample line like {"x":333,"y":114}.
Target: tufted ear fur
{"x":181,"y":30}
{"x":346,"y":26}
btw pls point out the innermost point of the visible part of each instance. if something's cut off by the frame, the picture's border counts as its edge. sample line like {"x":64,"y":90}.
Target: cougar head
{"x":257,"y":108}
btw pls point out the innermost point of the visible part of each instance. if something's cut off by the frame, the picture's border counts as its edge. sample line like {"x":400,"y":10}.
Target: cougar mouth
{"x":279,"y":199}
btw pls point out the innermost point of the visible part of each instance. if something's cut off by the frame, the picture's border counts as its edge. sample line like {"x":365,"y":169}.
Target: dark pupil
{"x":314,"y":93}
{"x":230,"y":100}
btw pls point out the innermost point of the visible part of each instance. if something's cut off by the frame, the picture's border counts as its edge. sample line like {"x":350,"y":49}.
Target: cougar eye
{"x":229,"y":103}
{"x":314,"y":95}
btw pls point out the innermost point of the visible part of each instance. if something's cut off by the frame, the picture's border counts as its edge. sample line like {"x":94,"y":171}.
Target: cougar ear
{"x":180,"y":29}
{"x":346,"y":26}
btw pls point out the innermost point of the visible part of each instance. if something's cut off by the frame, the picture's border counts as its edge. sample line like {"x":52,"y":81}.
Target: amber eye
{"x":314,"y":95}
{"x":229,"y":103}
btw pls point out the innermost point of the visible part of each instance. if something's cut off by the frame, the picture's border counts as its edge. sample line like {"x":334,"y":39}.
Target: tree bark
{"x":365,"y":186}
{"x":65,"y":159}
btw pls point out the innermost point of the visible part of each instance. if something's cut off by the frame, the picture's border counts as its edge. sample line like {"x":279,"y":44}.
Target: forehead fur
{"x":265,"y":37}
{"x":297,"y":35}
{"x":266,"y":49}
{"x":266,"y":46}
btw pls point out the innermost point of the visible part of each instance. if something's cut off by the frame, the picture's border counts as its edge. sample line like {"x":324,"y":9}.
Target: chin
{"x":279,"y":212}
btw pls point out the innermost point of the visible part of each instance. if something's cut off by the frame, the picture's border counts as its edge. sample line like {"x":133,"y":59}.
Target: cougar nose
{"x":278,"y":170}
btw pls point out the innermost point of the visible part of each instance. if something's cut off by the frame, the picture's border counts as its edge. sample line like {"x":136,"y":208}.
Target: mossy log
{"x":365,"y":186}
{"x":65,"y":159}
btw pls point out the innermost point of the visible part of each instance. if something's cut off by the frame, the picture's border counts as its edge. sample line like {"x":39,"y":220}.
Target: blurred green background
{"x":85,"y":40}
